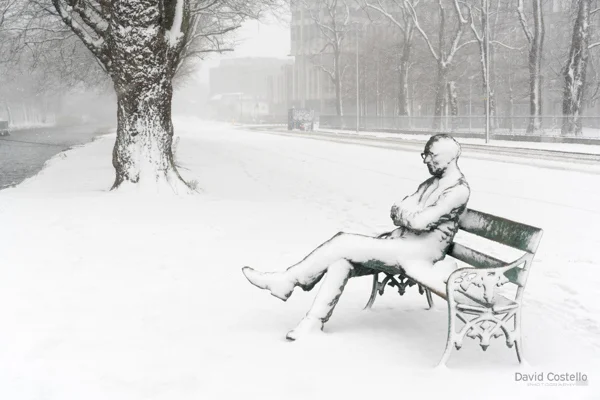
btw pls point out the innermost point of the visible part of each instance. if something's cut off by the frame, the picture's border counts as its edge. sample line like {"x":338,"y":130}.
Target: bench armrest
{"x":486,"y":278}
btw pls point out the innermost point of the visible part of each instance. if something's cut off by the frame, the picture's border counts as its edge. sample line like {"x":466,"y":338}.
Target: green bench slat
{"x":501,"y":230}
{"x":474,"y":257}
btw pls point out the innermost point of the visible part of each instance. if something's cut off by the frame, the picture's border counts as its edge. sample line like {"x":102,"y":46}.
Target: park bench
{"x":485,"y":293}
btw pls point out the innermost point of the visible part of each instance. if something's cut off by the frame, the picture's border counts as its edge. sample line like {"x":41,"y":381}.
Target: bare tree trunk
{"x":142,"y":152}
{"x":403,"y":106}
{"x":339,"y":108}
{"x":377,"y":107}
{"x":535,"y":68}
{"x":452,"y":104}
{"x":511,"y":102}
{"x":332,"y":20}
{"x":440,"y":96}
{"x":575,"y":72}
{"x":453,"y":98}
{"x":493,"y":119}
{"x":403,"y":20}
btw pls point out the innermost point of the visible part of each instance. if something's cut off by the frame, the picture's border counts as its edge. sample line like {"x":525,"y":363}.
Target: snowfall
{"x":126,"y":295}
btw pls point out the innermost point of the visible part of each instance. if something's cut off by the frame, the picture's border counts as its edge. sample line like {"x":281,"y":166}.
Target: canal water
{"x":24,"y":152}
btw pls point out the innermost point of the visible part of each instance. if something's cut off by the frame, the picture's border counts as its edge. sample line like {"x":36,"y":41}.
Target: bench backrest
{"x":510,"y":233}
{"x":501,"y":230}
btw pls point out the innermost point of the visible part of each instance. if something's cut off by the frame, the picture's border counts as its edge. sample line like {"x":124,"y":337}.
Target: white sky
{"x":263,"y":40}
{"x":255,"y":39}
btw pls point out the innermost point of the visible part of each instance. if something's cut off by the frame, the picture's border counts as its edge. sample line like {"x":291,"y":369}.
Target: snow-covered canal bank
{"x":24,"y":153}
{"x":122,"y":296}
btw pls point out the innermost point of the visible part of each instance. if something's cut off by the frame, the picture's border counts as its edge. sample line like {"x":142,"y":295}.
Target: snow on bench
{"x":482,"y":279}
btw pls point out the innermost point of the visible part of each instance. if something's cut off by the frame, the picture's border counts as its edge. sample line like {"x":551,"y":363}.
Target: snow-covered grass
{"x":114,"y":295}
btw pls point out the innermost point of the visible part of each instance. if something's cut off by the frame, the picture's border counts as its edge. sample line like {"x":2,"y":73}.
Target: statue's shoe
{"x":308,"y":326}
{"x":277,"y":283}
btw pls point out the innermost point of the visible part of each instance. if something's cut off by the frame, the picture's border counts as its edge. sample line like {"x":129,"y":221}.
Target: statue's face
{"x":438,"y":155}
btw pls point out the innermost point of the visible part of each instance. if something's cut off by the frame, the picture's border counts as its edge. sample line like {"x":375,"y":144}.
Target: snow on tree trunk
{"x":493,"y":120}
{"x":452,"y":98}
{"x":575,"y":72}
{"x":144,"y":135}
{"x":141,"y":70}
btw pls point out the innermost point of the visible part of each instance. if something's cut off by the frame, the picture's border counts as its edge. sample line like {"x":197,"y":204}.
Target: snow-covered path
{"x":120,"y":296}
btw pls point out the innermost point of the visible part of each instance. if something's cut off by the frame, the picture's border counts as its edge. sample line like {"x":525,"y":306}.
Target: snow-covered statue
{"x":427,"y":222}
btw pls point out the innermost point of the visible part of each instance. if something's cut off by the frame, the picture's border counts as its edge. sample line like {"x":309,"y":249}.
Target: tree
{"x":397,"y":13}
{"x":535,"y":40}
{"x":482,"y":15}
{"x":575,"y":71}
{"x":141,"y":45}
{"x":332,"y":18}
{"x":445,"y":53}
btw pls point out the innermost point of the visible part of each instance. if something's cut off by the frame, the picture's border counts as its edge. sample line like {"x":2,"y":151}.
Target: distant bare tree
{"x":593,"y":77}
{"x":398,"y":14}
{"x":332,"y":18}
{"x":575,"y":70}
{"x":535,"y":39}
{"x":478,"y":21}
{"x":446,"y":50}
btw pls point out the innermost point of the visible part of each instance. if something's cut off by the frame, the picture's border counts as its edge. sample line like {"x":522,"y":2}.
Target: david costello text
{"x":552,"y":378}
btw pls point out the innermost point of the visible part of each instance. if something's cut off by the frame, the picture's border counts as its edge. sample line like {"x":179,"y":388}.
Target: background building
{"x":248,"y":89}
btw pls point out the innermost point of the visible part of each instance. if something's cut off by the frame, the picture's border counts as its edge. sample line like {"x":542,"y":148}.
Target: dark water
{"x":24,"y":152}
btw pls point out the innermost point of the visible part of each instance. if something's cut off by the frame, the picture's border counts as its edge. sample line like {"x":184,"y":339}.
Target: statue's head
{"x":440,"y":152}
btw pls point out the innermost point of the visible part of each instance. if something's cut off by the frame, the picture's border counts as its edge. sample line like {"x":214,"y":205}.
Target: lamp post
{"x":357,"y":30}
{"x":357,"y":101}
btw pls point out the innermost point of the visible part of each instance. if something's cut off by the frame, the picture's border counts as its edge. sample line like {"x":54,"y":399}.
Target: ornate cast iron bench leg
{"x":423,"y":289}
{"x":374,"y":290}
{"x":401,"y":283}
{"x":429,"y":298}
{"x":518,"y":340}
{"x":451,"y":334}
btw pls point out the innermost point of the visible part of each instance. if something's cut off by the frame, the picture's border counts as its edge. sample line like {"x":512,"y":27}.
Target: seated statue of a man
{"x":427,"y":222}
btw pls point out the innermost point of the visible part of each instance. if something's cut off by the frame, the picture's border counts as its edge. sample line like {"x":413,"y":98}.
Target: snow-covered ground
{"x":112,"y":295}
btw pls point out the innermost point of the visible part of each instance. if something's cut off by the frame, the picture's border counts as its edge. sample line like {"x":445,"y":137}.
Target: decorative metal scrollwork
{"x":484,"y":327}
{"x":401,"y":282}
{"x":488,"y":280}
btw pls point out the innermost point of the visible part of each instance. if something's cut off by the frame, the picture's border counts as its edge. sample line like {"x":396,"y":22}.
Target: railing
{"x":475,"y":125}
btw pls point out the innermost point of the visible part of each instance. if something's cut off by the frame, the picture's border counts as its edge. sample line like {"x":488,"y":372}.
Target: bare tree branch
{"x":96,"y":46}
{"x":413,"y":13}
{"x":523,"y":21}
